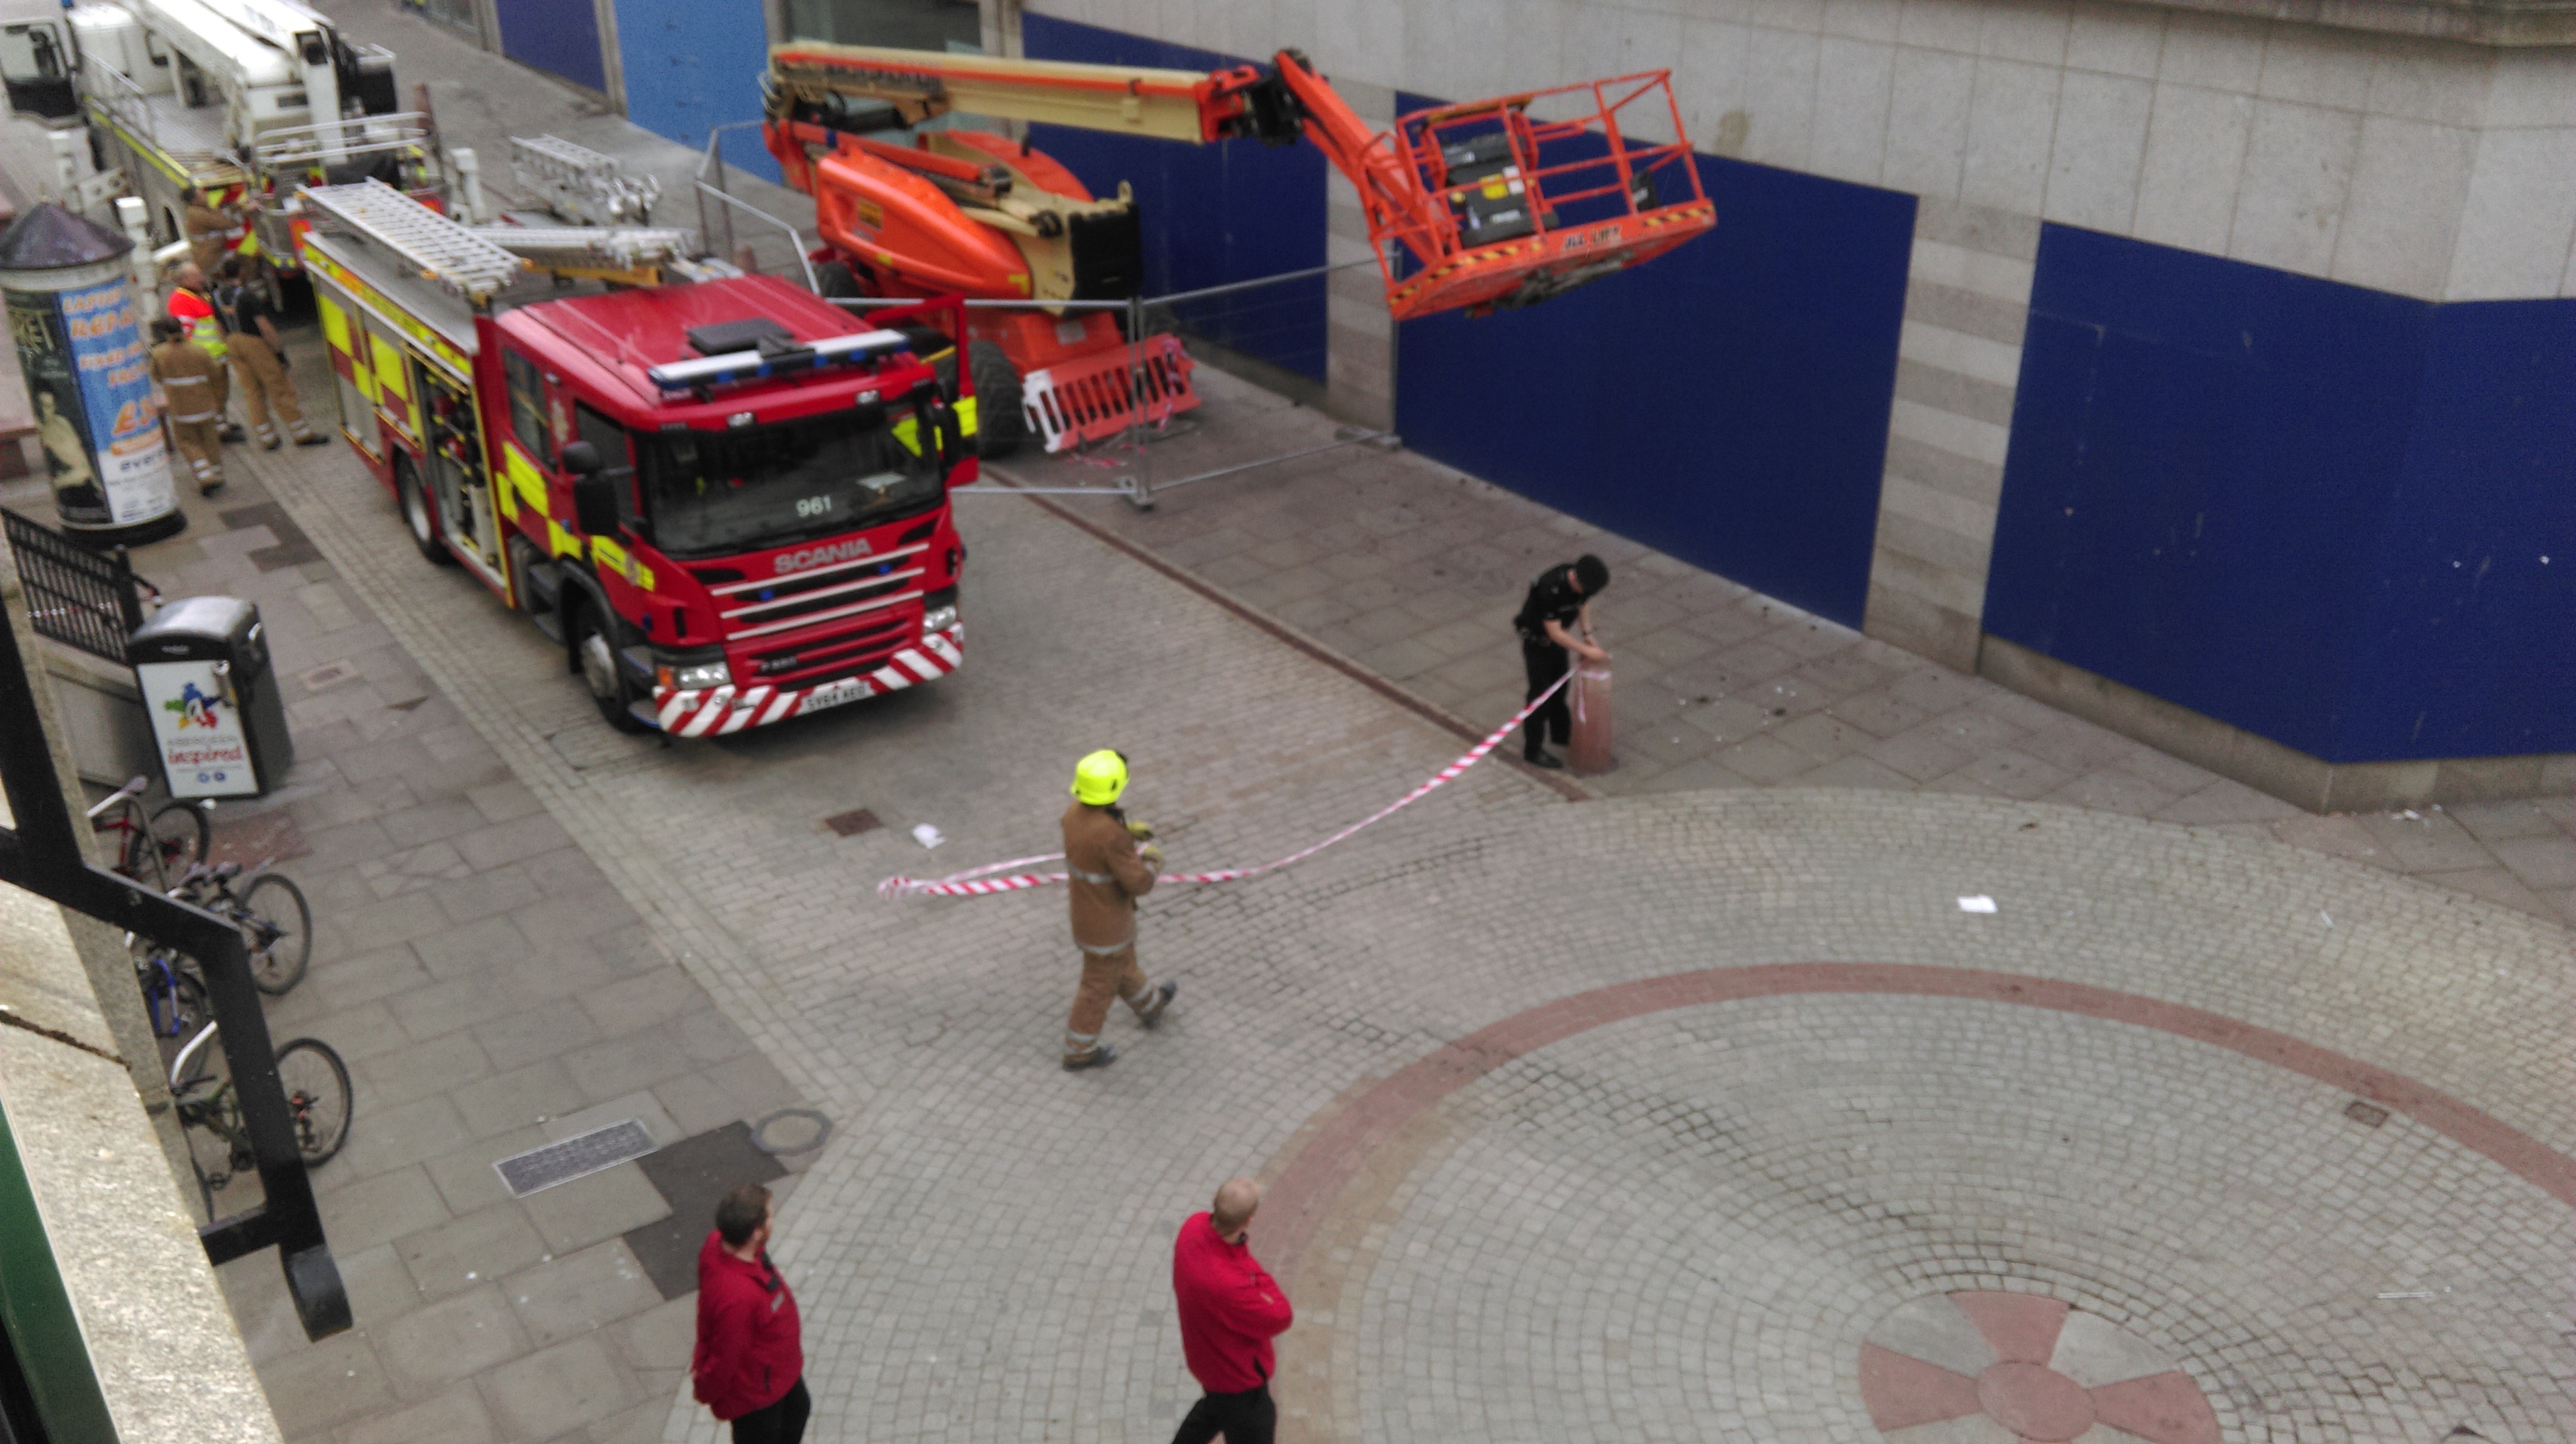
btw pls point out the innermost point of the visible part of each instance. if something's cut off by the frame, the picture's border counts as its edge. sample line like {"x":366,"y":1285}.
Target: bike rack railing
{"x":44,"y":855}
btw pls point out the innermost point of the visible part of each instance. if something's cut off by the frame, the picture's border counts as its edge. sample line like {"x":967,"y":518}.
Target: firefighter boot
{"x":1151,"y":1013}
{"x":1101,"y":1056}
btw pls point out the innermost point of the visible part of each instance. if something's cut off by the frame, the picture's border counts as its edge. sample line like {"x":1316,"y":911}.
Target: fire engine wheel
{"x":598,"y":659}
{"x":999,"y":425}
{"x":416,"y":514}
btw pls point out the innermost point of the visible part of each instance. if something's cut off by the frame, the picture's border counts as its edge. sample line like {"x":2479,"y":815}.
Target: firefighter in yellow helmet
{"x":1110,"y":871}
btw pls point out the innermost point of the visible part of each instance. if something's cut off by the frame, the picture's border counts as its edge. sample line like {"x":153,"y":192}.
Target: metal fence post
{"x":129,"y":599}
{"x":1140,"y":480}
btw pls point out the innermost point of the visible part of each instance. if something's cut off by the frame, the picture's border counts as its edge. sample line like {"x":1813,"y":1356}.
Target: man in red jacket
{"x":1230,"y":1311}
{"x":750,"y":1364}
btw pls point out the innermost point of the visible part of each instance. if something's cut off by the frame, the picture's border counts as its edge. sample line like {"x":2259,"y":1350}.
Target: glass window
{"x":528,"y":407}
{"x":33,"y":51}
{"x":36,"y":68}
{"x":616,"y":455}
{"x":724,"y":491}
{"x":905,"y":24}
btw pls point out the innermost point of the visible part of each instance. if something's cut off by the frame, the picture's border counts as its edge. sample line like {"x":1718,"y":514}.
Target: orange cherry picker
{"x":1480,"y":206}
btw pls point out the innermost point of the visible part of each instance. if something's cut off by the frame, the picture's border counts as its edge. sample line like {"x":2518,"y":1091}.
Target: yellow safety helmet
{"x":1099,"y":778}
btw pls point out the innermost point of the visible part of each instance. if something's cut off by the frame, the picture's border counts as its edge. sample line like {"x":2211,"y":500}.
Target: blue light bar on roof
{"x":736,"y":367}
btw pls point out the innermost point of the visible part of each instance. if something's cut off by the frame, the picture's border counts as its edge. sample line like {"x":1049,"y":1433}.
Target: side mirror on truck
{"x":594,"y":497}
{"x":939,"y":419}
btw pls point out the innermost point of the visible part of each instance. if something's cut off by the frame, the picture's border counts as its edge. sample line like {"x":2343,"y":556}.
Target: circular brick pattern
{"x":1721,"y":1207}
{"x":2035,"y":1370}
{"x":2035,"y":1402}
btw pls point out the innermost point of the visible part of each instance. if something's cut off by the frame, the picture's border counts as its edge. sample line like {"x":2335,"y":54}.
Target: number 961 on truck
{"x":724,"y":497}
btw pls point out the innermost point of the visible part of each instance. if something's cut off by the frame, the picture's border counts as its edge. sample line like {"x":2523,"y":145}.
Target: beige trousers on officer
{"x":201,"y":440}
{"x":222,"y":385}
{"x":1104,"y":976}
{"x":264,"y":385}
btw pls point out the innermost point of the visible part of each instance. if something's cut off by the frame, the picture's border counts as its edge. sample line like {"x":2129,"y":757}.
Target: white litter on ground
{"x":1978,"y":904}
{"x":926,"y":835}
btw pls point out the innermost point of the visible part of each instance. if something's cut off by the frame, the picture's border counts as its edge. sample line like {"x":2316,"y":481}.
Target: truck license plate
{"x":833,"y":695}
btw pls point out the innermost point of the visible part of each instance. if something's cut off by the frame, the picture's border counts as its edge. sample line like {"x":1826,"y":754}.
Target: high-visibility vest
{"x":198,"y":314}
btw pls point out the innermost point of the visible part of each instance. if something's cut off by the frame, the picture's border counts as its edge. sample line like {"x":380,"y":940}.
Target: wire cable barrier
{"x":983,"y":881}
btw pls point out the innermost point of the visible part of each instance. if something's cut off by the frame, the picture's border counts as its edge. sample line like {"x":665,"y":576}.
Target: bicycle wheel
{"x":188,"y":1007}
{"x":277,"y":927}
{"x":317,"y":1097}
{"x":152,"y":974}
{"x":181,"y":833}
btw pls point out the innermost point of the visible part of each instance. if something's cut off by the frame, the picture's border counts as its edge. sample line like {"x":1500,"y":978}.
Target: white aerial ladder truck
{"x":243,"y":99}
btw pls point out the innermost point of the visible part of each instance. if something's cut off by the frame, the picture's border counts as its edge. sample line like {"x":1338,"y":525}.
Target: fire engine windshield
{"x":726,"y":491}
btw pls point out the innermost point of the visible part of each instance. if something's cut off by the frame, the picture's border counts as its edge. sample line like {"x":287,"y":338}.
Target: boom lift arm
{"x":1494,"y":203}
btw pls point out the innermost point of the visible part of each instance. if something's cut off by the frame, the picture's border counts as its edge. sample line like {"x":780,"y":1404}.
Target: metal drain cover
{"x":576,"y":1157}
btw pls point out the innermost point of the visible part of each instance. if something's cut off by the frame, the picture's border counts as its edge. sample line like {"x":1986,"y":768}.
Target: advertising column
{"x":80,"y":344}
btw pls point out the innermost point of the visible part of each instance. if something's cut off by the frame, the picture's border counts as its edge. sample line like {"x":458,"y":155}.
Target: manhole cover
{"x":851,"y":824}
{"x":791,"y":1130}
{"x":576,"y":1157}
{"x":2024,"y":1367}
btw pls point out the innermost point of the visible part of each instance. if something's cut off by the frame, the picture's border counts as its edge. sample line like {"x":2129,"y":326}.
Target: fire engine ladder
{"x":451,"y":255}
{"x":580,"y":184}
{"x":631,"y":254}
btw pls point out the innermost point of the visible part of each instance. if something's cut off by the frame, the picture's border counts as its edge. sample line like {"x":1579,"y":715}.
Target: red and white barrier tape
{"x":980,"y":881}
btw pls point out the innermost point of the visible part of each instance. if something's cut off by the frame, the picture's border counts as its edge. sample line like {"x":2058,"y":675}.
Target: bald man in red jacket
{"x":1230,"y":1310}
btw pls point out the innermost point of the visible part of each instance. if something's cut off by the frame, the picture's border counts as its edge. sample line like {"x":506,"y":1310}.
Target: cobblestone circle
{"x":1683,"y":1225}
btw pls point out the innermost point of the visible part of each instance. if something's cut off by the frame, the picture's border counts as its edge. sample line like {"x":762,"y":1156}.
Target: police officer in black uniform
{"x":1560,"y":598}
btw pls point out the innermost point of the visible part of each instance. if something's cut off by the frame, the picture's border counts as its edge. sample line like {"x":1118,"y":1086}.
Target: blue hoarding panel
{"x":2468,"y":629}
{"x":2242,"y":490}
{"x":692,"y":66}
{"x":560,"y":37}
{"x":1211,"y":214}
{"x":1725,"y":403}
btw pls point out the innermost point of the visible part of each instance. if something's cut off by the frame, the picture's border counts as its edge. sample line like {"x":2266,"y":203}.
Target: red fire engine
{"x":726,"y":499}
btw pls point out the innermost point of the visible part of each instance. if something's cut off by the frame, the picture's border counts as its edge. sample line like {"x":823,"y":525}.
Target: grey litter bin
{"x":217,"y":720}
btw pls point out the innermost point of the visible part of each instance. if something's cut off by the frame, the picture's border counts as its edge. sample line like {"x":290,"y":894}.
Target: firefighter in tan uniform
{"x":193,"y":308}
{"x":1109,"y":872}
{"x":210,"y":231}
{"x":257,"y":356}
{"x":187,"y":376}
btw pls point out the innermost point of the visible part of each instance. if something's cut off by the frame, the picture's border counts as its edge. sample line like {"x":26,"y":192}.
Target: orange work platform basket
{"x":1506,"y":202}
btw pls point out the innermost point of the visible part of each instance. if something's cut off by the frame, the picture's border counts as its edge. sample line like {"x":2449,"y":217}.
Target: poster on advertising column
{"x":89,"y":376}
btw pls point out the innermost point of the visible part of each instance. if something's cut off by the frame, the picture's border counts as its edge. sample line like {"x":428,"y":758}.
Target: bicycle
{"x":169,"y":980}
{"x":175,"y":837}
{"x":319,"y":1105}
{"x":275,"y":921}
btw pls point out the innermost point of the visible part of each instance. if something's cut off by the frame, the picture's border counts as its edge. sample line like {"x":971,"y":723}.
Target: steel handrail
{"x":714,"y":158}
